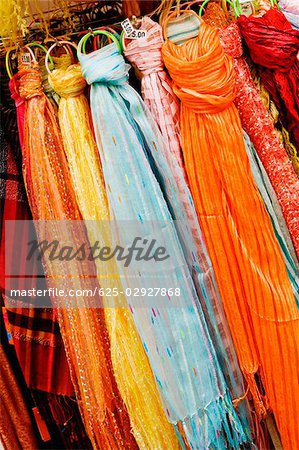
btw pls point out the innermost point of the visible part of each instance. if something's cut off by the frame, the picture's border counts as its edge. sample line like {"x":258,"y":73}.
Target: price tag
{"x":138,"y":34}
{"x":127,"y":27}
{"x":131,"y":32}
{"x":26,"y":59}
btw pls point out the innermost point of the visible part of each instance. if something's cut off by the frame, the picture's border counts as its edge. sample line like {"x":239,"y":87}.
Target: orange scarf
{"x":248,"y":265}
{"x":52,"y":201}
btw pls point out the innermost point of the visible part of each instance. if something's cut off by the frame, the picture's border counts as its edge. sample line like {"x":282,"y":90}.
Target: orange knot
{"x":236,"y":401}
{"x":30,"y":82}
{"x":260,"y":401}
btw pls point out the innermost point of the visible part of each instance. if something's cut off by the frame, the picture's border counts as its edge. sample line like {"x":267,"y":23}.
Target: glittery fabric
{"x":131,"y":367}
{"x":248,"y":264}
{"x":52,"y":96}
{"x":62,"y":61}
{"x":274,"y":114}
{"x":261,"y":131}
{"x":35,"y":331}
{"x":158,"y":95}
{"x":278,"y":64}
{"x":173,"y":330}
{"x":51,"y":198}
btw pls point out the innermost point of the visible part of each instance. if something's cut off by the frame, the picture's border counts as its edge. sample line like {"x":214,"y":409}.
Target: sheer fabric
{"x":35,"y":331}
{"x":291,"y":6}
{"x":132,"y":370}
{"x":174,"y":333}
{"x":86,"y":339}
{"x":257,"y":295}
{"x":158,"y":95}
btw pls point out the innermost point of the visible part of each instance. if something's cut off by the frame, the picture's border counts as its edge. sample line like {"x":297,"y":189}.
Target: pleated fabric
{"x":53,"y":205}
{"x":173,"y":330}
{"x":269,"y":198}
{"x":145,"y":55}
{"x":131,"y":367}
{"x":249,"y":267}
{"x":260,"y":128}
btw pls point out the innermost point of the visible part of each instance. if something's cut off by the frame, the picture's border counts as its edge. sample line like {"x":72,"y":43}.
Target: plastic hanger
{"x":37,"y":44}
{"x":82,"y":43}
{"x":175,"y":14}
{"x":51,"y":38}
{"x":59,"y":43}
{"x":7,"y":65}
{"x":97,"y":39}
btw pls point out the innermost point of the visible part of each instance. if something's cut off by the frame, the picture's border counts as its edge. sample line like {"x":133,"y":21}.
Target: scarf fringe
{"x":217,"y":426}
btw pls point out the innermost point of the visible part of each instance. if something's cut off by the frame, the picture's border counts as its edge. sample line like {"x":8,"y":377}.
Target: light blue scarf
{"x":173,"y":329}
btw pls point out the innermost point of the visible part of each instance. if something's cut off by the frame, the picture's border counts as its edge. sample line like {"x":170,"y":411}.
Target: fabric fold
{"x":248,"y":264}
{"x":156,"y":88}
{"x":174,"y":333}
{"x":131,"y":368}
{"x":56,"y":214}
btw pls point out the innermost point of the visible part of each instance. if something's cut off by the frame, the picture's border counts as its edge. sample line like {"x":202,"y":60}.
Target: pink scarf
{"x":156,"y":85}
{"x":291,"y":6}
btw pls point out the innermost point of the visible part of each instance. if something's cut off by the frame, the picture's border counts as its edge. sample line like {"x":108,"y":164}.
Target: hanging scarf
{"x":132,"y":371}
{"x":268,"y":195}
{"x":53,"y":206}
{"x":274,"y":46}
{"x":258,"y":126}
{"x":173,"y":330}
{"x":35,"y":332}
{"x":145,"y":54}
{"x":156,"y":85}
{"x":257,"y":295}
